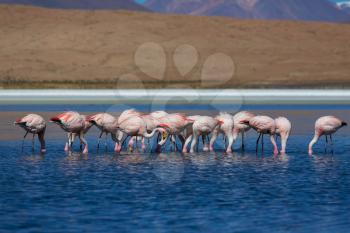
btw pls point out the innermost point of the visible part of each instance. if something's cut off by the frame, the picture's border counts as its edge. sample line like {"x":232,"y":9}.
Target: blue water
{"x":170,"y":192}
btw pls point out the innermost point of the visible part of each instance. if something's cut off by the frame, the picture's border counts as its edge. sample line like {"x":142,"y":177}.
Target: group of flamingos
{"x":137,"y":126}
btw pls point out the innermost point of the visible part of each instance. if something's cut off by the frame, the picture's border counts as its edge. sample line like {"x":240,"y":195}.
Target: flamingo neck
{"x":149,"y":135}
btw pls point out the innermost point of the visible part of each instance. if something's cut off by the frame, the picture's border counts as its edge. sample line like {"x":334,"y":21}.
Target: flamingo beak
{"x":244,"y":122}
{"x":55,"y":120}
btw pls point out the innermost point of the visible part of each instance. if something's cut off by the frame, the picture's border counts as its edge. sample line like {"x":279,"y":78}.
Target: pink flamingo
{"x":33,"y":124}
{"x":225,"y":128}
{"x":187,"y":134}
{"x":151,"y":121}
{"x":174,"y":124}
{"x":157,"y":115}
{"x":106,"y":123}
{"x":124,"y":116}
{"x":72,"y":122}
{"x":239,"y":127}
{"x":283,"y":129}
{"x":203,"y":125}
{"x":326,"y":125}
{"x":72,"y":136}
{"x":263,"y":125}
{"x":134,"y":125}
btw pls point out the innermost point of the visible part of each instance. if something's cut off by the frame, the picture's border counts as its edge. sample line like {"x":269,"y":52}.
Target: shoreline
{"x":177,"y":96}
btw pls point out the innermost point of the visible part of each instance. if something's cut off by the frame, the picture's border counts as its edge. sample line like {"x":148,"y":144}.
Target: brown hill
{"x":69,"y":48}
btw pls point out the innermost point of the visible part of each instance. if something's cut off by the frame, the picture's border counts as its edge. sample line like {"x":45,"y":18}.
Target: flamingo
{"x":326,"y":125}
{"x":239,"y":127}
{"x":152,"y":122}
{"x":106,"y":123}
{"x":134,"y":125}
{"x":225,"y":128}
{"x":33,"y":124}
{"x":72,"y":122}
{"x":72,"y":136}
{"x":283,"y":129}
{"x":174,"y":124}
{"x":203,"y":125}
{"x":187,"y":133}
{"x":124,"y":117}
{"x":263,"y":125}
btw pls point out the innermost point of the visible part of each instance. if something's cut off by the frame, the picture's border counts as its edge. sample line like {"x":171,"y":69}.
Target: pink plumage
{"x":73,"y":123}
{"x":34,"y":124}
{"x":264,"y":125}
{"x":326,"y":125}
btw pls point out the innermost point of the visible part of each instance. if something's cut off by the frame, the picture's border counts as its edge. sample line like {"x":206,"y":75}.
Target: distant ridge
{"x":310,"y":10}
{"x":344,"y":6}
{"x":81,"y":4}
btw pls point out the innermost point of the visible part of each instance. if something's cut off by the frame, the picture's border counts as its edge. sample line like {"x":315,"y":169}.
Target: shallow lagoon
{"x":205,"y":192}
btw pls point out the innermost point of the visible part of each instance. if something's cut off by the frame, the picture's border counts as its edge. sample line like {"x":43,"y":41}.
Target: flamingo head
{"x":91,"y":119}
{"x":56,"y":120}
{"x":245,"y":122}
{"x":165,"y":135}
{"x":18,"y":121}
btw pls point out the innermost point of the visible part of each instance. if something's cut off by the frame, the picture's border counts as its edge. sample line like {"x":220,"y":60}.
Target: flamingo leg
{"x":262,"y":143}
{"x":332,"y":145}
{"x":188,"y":140}
{"x":197,"y":145}
{"x":242,"y":139}
{"x":131,"y":144}
{"x":99,"y":140}
{"x":106,"y":146}
{"x":175,"y":144}
{"x":82,"y":140}
{"x":214,"y":136}
{"x":205,"y":143}
{"x":143,"y":143}
{"x":136,"y":147}
{"x":194,"y":141}
{"x":33,"y":141}
{"x":182,"y":140}
{"x":123,"y":143}
{"x":70,"y":140}
{"x":325,"y":148}
{"x":257,"y":144}
{"x":66,"y":147}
